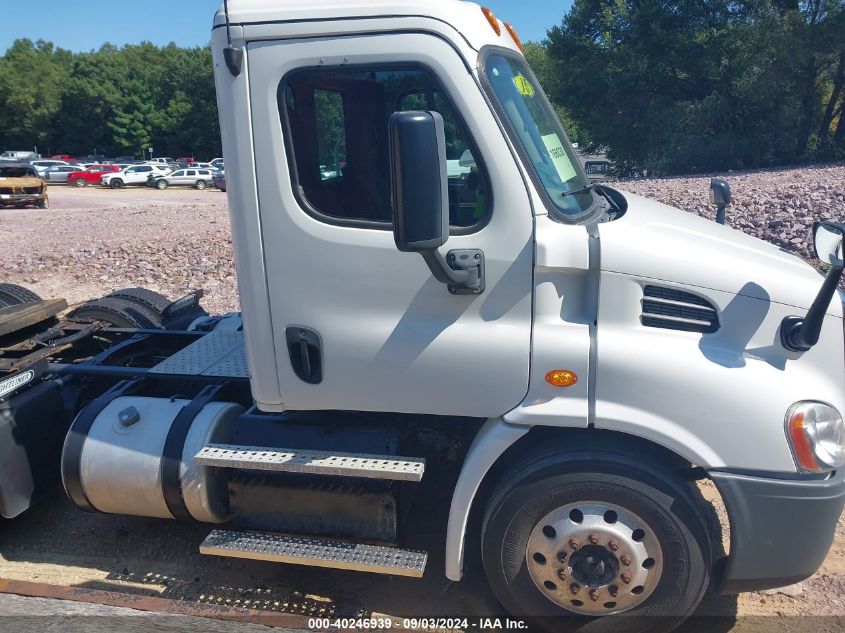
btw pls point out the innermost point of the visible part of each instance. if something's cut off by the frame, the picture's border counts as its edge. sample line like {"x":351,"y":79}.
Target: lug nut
{"x":594,"y":595}
{"x":614,"y":590}
{"x":626,"y":578}
{"x":626,"y":560}
{"x":593,"y":538}
{"x":613,"y":545}
{"x":574,"y":588}
{"x":561,"y":573}
{"x":561,"y":556}
{"x":574,"y":544}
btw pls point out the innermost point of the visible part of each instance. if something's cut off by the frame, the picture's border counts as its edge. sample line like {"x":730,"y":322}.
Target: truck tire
{"x":117,"y":312}
{"x":143,"y":296}
{"x":12,"y":295}
{"x":567,"y":539}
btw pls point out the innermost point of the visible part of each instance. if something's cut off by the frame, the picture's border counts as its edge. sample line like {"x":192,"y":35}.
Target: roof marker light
{"x":515,"y":36}
{"x":491,"y":18}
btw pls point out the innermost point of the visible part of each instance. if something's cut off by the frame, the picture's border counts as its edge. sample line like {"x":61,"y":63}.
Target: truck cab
{"x":434,"y":294}
{"x":603,"y":321}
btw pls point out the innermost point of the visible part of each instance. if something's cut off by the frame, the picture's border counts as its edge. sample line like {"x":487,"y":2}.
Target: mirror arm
{"x":801,"y":334}
{"x":445,"y":274}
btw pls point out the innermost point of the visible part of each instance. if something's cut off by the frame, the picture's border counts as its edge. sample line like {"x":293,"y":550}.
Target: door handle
{"x":305,"y":349}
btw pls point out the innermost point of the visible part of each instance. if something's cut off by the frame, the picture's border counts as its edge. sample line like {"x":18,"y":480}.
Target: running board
{"x":312,"y":462}
{"x":315,"y":552}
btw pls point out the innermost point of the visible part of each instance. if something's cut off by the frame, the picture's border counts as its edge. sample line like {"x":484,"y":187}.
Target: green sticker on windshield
{"x":560,"y":158}
{"x":523,"y":85}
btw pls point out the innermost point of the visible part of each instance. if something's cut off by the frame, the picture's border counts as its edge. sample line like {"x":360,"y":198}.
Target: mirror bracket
{"x":462,"y":270}
{"x":800,"y":334}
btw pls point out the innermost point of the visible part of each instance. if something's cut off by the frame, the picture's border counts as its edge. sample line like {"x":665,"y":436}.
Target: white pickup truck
{"x":557,"y":361}
{"x":134,"y":175}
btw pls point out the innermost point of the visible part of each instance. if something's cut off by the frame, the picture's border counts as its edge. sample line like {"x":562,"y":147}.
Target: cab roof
{"x":465,"y":18}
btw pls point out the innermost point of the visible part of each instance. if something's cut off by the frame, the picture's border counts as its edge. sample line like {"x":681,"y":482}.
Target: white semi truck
{"x":564,"y":360}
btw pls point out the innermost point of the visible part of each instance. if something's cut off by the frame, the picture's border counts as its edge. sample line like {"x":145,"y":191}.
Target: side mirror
{"x":801,"y":334}
{"x":420,"y":182}
{"x":827,"y":242}
{"x":720,"y":197}
{"x":420,"y":189}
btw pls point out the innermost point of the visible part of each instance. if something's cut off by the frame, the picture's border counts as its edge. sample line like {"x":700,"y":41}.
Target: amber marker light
{"x":561,"y":378}
{"x":491,"y":18}
{"x":801,"y":442}
{"x":515,"y":36}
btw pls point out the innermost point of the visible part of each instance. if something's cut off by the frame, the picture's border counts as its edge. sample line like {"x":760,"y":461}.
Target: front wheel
{"x":161,"y":185}
{"x":594,"y":538}
{"x":115,"y":183}
{"x":79,"y":182}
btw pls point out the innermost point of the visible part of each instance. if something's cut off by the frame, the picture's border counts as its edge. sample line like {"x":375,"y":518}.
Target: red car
{"x":188,"y":160}
{"x":64,"y":157}
{"x":91,"y":176}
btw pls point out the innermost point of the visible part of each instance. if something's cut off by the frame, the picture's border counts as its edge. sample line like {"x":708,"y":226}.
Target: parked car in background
{"x":60,"y":173}
{"x":41,"y":166}
{"x":21,"y":185}
{"x":135,"y":175}
{"x":18,"y":156}
{"x":126,"y":159}
{"x":165,"y":160}
{"x":197,"y":178}
{"x":217,"y":162}
{"x":91,"y":175}
{"x":220,"y":180}
{"x":64,"y":157}
{"x":188,"y":160}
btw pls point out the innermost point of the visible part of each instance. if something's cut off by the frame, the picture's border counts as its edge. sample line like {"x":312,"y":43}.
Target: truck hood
{"x":20,"y":183}
{"x":660,"y":242}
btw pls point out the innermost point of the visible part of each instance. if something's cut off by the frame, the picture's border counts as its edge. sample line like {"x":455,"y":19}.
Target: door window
{"x":336,"y":123}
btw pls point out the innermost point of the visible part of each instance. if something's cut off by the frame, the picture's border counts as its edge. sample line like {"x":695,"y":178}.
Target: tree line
{"x":687,"y":86}
{"x":112,"y":101}
{"x":671,"y":87}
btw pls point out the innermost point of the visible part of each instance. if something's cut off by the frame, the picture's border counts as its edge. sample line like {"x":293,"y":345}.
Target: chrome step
{"x":315,"y":552}
{"x":312,"y":462}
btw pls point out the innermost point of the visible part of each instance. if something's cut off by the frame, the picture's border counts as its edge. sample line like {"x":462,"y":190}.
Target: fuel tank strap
{"x":174,"y":446}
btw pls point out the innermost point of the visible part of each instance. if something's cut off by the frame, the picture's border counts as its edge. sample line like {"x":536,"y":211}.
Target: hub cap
{"x":594,"y":558}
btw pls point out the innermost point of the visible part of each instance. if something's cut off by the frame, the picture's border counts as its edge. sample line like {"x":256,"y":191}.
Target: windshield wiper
{"x":583,"y":189}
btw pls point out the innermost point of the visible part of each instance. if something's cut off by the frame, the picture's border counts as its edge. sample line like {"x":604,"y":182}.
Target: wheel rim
{"x":594,"y":558}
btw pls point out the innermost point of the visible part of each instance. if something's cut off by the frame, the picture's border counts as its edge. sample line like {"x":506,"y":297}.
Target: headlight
{"x":816,"y":434}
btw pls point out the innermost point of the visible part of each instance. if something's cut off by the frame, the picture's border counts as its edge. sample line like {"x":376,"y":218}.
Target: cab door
{"x":379,"y":332}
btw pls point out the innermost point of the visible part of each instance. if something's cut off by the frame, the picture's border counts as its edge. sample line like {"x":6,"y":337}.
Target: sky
{"x":83,"y":26}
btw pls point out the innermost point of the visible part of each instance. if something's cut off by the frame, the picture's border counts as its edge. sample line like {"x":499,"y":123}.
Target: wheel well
{"x":542,"y":441}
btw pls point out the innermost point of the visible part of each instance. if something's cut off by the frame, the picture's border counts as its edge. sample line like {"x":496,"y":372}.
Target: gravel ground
{"x":92,"y":241}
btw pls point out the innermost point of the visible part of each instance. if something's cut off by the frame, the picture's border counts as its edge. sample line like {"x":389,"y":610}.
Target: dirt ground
{"x":94,"y":240}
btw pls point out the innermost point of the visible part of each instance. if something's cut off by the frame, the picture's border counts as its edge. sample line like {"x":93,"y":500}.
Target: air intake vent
{"x":673,"y":309}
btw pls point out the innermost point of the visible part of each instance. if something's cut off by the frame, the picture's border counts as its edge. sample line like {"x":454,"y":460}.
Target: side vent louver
{"x":673,"y":309}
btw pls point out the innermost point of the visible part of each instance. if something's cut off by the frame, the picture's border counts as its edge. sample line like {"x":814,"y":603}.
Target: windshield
{"x":17,"y":171}
{"x":538,"y":131}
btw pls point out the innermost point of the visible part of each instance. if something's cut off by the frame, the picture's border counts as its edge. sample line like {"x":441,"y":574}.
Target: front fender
{"x":494,"y":438}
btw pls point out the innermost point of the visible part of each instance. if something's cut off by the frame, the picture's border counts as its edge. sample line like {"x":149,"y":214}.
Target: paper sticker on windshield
{"x":563,"y":165}
{"x":523,"y":85}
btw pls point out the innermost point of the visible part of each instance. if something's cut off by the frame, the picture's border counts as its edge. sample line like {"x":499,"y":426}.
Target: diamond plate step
{"x":312,"y":462}
{"x":315,"y":552}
